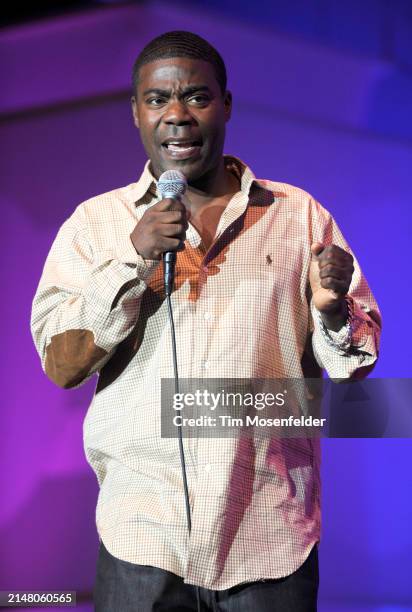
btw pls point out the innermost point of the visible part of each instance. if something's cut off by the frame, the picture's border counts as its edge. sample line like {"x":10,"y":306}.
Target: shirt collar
{"x":147,"y":183}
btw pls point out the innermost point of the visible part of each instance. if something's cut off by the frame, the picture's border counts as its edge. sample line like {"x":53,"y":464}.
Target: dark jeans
{"x":125,"y":587}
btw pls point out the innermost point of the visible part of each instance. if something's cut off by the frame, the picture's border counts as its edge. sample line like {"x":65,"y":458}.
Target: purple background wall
{"x":332,"y":120}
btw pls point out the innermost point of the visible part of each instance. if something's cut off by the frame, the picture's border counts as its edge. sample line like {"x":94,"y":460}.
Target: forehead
{"x":176,"y":71}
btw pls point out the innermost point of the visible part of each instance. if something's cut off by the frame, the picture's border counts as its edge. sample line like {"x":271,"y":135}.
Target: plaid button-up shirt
{"x":242,"y":309}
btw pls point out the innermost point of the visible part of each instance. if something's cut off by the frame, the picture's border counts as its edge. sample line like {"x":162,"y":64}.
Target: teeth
{"x":188,"y":144}
{"x":184,"y":145}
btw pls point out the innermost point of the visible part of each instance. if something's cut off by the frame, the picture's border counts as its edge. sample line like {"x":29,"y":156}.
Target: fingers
{"x":173,"y":229}
{"x":163,"y":218}
{"x":168,"y":204}
{"x":172,"y":216}
{"x":334,"y":260}
{"x":334,"y":271}
{"x":333,"y":253}
{"x":169,"y":244}
{"x":335,"y":267}
{"x":339,"y":286}
{"x":162,"y":228}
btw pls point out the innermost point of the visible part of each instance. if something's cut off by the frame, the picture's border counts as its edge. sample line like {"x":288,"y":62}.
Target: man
{"x":266,"y":287}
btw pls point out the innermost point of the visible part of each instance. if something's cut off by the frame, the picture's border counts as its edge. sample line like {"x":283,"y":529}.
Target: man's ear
{"x":228,"y":104}
{"x":134,"y":111}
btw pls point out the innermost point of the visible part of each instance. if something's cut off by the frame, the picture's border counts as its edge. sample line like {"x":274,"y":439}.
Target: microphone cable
{"x":179,"y":432}
{"x":173,"y":184}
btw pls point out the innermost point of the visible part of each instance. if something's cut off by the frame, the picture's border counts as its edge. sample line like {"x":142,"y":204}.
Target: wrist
{"x":339,"y":338}
{"x":336,"y":318}
{"x":142,"y":252}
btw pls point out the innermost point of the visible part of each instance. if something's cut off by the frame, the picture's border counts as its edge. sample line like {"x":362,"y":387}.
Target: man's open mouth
{"x":181,"y":148}
{"x":181,"y":145}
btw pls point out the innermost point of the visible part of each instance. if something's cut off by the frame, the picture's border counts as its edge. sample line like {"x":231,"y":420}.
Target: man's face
{"x":181,"y":114}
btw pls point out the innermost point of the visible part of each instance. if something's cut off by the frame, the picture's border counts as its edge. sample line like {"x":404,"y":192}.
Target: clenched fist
{"x":162,"y":228}
{"x":330,"y":276}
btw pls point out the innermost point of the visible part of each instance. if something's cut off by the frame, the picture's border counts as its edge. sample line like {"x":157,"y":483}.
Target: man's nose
{"x":177,"y":113}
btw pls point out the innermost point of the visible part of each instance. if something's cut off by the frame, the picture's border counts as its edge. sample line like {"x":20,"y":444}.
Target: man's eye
{"x":199,"y":99}
{"x":156,"y":101}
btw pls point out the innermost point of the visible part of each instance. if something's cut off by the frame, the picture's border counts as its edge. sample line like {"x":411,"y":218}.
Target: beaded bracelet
{"x":347,"y":340}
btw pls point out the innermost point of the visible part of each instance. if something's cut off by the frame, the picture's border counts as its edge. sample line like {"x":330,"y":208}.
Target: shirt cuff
{"x":339,"y":340}
{"x":120,"y":272}
{"x":361,"y":330}
{"x":127,"y":254}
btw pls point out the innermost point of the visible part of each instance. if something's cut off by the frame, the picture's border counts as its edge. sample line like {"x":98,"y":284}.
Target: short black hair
{"x":180,"y":43}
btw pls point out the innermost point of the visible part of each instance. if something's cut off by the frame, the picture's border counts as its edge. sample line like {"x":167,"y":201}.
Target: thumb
{"x":316,"y":248}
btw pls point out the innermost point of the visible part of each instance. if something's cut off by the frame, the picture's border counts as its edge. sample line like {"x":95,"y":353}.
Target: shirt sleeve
{"x":358,"y":359}
{"x":85,"y":304}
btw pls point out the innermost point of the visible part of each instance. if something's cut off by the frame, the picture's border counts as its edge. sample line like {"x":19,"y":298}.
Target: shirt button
{"x":206,"y":365}
{"x":208,"y":316}
{"x":208,"y":467}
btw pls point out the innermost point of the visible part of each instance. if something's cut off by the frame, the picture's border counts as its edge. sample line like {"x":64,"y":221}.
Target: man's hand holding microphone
{"x":162,"y":229}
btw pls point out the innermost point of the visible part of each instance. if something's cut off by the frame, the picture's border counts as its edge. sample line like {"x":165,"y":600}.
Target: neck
{"x":218,"y":182}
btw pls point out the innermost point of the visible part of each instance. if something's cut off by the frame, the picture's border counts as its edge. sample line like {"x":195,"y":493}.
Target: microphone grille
{"x":172,"y":183}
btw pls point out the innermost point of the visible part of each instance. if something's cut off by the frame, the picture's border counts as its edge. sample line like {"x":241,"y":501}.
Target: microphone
{"x":171,"y":184}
